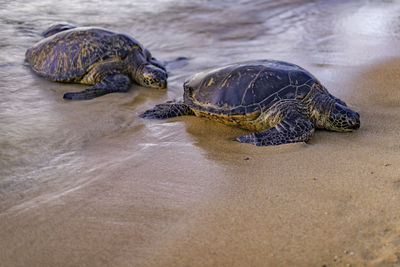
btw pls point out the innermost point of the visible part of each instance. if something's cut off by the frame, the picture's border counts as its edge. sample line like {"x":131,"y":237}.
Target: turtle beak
{"x":163,"y":84}
{"x":161,"y":80}
{"x":354,"y":124}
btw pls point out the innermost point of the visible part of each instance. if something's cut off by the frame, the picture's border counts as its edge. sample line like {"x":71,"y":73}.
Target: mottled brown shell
{"x":246,"y":87}
{"x":68,"y":55}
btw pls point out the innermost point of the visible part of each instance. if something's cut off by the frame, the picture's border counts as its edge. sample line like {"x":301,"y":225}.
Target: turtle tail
{"x":167,"y":110}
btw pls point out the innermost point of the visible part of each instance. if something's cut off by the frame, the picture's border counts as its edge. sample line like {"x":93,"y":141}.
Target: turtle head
{"x":151,"y":76}
{"x":342,"y":119}
{"x":331,"y":113}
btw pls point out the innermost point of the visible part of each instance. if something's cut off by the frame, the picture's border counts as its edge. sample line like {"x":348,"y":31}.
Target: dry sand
{"x":333,"y":202}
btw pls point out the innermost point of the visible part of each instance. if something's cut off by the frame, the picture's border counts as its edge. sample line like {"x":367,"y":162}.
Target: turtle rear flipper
{"x":289,"y":130}
{"x":109,"y":84}
{"x":56,"y":29}
{"x":167,"y":110}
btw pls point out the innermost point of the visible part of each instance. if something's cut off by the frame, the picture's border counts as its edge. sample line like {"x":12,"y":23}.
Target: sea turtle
{"x":94,"y":56}
{"x":279,"y":101}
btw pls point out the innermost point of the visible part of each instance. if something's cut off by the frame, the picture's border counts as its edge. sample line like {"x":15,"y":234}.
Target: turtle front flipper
{"x":109,"y":84}
{"x":167,"y":110}
{"x":289,"y":130}
{"x":56,"y":29}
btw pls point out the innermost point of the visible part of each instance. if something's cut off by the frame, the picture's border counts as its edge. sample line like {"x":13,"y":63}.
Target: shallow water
{"x":52,"y":149}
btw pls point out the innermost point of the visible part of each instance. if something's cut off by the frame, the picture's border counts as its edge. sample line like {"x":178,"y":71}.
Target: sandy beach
{"x":331,"y":202}
{"x":129,"y":192}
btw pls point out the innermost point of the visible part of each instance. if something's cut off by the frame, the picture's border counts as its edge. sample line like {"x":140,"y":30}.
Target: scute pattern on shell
{"x":68,"y":55}
{"x":246,"y":87}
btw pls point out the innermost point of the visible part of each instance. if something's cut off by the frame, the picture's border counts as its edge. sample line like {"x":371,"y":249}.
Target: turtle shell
{"x":67,"y":56}
{"x":246,"y":87}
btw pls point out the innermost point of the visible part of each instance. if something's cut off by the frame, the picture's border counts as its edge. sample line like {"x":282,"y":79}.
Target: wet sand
{"x":331,"y":202}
